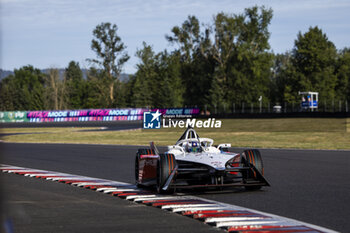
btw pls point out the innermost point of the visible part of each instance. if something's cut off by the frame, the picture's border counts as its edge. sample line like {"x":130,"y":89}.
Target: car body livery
{"x":194,"y":162}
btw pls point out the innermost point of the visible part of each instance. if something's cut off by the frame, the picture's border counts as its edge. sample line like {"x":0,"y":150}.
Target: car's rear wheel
{"x":140,"y":152}
{"x":165,"y":165}
{"x":254,"y":158}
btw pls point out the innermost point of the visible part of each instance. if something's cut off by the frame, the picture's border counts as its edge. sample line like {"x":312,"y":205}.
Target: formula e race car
{"x":194,"y":162}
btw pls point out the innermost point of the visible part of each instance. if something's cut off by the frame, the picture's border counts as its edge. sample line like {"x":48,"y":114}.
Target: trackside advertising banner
{"x":122,"y":114}
{"x":15,"y":116}
{"x":127,"y":114}
{"x":177,"y":112}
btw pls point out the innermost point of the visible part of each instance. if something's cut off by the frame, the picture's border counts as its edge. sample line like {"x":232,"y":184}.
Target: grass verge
{"x":305,"y":133}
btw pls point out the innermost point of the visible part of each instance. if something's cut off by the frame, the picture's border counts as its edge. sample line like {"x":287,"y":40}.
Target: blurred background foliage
{"x":228,"y":61}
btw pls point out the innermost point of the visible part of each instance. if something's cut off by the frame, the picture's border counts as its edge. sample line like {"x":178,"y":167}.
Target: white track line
{"x":178,"y":210}
{"x":112,"y":190}
{"x":133,"y":197}
{"x":230,"y":219}
{"x":248,"y":223}
{"x":188,"y":206}
{"x":157,"y":197}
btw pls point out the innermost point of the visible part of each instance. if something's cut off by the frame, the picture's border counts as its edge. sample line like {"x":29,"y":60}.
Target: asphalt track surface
{"x":311,"y":186}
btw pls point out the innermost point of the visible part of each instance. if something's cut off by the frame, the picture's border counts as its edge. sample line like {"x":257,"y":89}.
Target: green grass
{"x":303,"y":133}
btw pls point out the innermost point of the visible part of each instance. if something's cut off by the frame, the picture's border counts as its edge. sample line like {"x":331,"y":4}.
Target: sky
{"x":51,"y":33}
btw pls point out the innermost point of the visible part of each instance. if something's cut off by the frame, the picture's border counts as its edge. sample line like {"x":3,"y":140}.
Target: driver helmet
{"x":193,"y":146}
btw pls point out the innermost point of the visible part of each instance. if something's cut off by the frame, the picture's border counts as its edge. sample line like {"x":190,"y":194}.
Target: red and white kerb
{"x":228,"y":217}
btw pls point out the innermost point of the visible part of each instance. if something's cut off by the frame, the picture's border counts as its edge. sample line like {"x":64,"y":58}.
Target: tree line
{"x":226,"y":61}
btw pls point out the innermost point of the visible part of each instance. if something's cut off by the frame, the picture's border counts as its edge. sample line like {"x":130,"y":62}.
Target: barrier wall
{"x":86,"y":115}
{"x":178,"y":111}
{"x":15,"y":116}
{"x":123,"y":114}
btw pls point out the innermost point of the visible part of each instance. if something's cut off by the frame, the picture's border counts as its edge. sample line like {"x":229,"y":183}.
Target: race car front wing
{"x":259,"y":179}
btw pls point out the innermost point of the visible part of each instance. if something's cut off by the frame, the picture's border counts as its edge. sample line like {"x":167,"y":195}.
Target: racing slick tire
{"x":140,"y":152}
{"x":253,"y":157}
{"x":165,"y":165}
